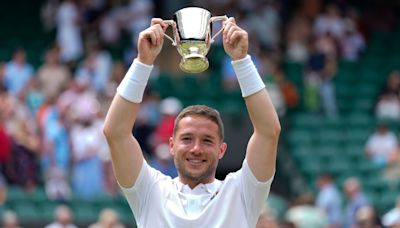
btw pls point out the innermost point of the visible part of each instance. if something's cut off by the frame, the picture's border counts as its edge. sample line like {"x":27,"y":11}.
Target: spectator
{"x":97,"y":67}
{"x":327,"y":45}
{"x":388,"y":107}
{"x":330,"y":22}
{"x":48,"y":13}
{"x":53,"y":77}
{"x":327,"y":88}
{"x":107,"y":218}
{"x":357,"y":200}
{"x":353,"y":43}
{"x":305,"y":215}
{"x":391,"y":219}
{"x":265,"y":23}
{"x":329,"y":200}
{"x":392,"y":86}
{"x":382,"y":145}
{"x":367,"y":217}
{"x":10,"y":220}
{"x":298,"y":33}
{"x":24,"y":165}
{"x":56,"y":148}
{"x":62,"y":218}
{"x":34,"y":97}
{"x":87,"y":168}
{"x":138,"y":14}
{"x":69,"y":37}
{"x":17,"y":74}
{"x":109,"y":27}
{"x":57,"y":185}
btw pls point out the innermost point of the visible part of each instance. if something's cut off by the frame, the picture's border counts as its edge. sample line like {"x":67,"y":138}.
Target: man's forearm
{"x":261,"y":149}
{"x":125,"y":106}
{"x":259,"y":104}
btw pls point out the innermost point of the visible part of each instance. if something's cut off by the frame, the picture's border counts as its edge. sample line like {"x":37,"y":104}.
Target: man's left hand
{"x":235,"y":40}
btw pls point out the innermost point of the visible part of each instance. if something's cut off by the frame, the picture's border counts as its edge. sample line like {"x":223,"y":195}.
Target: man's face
{"x":196,"y":148}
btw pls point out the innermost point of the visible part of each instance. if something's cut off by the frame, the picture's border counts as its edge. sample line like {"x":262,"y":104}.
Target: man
{"x":62,"y":218}
{"x":195,"y":198}
{"x":329,"y":200}
{"x":356,"y":200}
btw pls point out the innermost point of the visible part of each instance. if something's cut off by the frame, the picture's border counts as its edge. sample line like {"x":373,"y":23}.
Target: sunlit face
{"x":196,"y":148}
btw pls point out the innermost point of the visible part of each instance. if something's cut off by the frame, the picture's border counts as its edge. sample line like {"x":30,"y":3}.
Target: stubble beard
{"x":187,"y":175}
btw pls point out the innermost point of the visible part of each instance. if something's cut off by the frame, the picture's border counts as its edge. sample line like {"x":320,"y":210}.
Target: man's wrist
{"x":145,"y":61}
{"x":134,"y":83}
{"x":238,"y":58}
{"x":146,"y":64}
{"x":240,"y":62}
{"x":248,"y":77}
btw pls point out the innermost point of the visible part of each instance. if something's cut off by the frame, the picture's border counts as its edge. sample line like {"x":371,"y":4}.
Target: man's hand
{"x":235,"y":40}
{"x":150,"y":41}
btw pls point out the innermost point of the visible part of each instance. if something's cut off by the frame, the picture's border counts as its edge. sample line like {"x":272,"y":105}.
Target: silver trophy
{"x":191,"y":29}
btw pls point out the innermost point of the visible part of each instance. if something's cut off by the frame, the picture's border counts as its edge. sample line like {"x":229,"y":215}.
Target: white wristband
{"x":134,"y":83}
{"x":249,"y":79}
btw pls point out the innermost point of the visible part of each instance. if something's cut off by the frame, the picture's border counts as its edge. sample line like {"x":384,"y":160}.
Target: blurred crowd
{"x":51,"y":115}
{"x":64,"y":217}
{"x":330,"y":208}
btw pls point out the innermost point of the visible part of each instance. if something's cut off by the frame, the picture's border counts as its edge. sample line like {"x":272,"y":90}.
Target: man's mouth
{"x":195,"y":161}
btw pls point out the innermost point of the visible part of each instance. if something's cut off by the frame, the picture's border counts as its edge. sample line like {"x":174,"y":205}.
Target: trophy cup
{"x":191,"y":29}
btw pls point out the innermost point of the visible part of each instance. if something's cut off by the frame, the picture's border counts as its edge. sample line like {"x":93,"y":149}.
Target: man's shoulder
{"x":232,"y":177}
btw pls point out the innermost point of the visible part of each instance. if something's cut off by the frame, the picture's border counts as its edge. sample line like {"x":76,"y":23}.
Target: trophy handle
{"x":172,"y":23}
{"x":218,"y":18}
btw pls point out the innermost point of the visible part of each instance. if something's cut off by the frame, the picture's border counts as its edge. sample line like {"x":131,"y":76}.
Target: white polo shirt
{"x":159,"y":201}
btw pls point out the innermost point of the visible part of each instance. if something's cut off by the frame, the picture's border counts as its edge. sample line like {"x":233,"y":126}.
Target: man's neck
{"x":193,"y":183}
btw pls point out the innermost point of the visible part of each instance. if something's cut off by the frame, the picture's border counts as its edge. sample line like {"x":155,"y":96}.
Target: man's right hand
{"x":150,"y":41}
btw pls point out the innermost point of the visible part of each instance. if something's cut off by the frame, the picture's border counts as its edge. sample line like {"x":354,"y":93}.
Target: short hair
{"x":203,"y":111}
{"x":352,"y":182}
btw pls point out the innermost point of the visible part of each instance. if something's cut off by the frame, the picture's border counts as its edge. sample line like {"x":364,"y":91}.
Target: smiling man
{"x":195,"y":198}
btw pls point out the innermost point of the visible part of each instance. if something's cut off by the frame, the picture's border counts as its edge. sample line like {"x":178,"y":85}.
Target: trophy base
{"x":194,"y":65}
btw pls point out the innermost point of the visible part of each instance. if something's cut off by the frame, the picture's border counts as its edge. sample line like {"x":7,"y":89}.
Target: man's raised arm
{"x":262,"y":147}
{"x":126,"y":153}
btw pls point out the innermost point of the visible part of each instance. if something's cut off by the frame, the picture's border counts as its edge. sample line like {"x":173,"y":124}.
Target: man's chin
{"x":195,"y":176}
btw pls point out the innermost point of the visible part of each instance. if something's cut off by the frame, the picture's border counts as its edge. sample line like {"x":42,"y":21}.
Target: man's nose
{"x":197,"y":147}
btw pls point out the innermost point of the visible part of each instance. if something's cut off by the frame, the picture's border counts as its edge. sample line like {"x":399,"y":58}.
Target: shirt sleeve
{"x":254,"y":192}
{"x":138,"y":194}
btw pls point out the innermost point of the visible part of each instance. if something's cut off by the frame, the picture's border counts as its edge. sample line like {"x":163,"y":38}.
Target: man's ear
{"x":222,"y":150}
{"x":171,"y":145}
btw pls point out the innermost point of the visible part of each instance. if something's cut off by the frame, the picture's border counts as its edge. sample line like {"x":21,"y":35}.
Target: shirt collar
{"x":199,"y":189}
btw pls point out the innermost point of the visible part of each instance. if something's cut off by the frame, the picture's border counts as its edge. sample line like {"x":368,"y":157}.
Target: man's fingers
{"x":237,"y":35}
{"x":230,"y":20}
{"x":154,"y":34}
{"x":159,"y":21}
{"x":156,"y":21}
{"x":153,"y":38}
{"x":150,"y":36}
{"x":229,"y":28}
{"x":232,"y":33}
{"x":160,"y":34}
